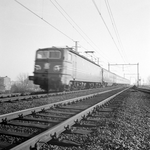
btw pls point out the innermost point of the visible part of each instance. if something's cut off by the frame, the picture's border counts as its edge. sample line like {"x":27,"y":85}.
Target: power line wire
{"x":74,"y":22}
{"x":106,"y":57}
{"x":44,"y":20}
{"x":106,"y":27}
{"x":67,"y":20}
{"x":114,"y":24}
{"x":70,"y":19}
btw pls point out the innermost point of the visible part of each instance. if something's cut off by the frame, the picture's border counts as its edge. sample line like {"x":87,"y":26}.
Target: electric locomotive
{"x":64,"y":69}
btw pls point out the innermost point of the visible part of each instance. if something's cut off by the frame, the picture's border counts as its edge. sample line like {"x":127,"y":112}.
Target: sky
{"x":45,"y":23}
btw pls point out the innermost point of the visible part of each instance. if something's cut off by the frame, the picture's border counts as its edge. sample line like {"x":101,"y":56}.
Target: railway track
{"x":12,"y":106}
{"x":143,"y":89}
{"x":25,"y":96}
{"x":9,"y":95}
{"x":29,"y":129}
{"x":29,"y":96}
{"x":18,"y":96}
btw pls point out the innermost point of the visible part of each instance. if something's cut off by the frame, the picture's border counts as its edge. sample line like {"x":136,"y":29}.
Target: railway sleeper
{"x":106,"y":109}
{"x":3,"y":145}
{"x":54,"y":115}
{"x":101,"y":115}
{"x":60,"y":112}
{"x":76,"y":107}
{"x":87,"y":125}
{"x":18,"y":134}
{"x":64,"y":142}
{"x":33,"y":125}
{"x":69,"y":110}
{"x":40,"y":120}
{"x":78,"y":131}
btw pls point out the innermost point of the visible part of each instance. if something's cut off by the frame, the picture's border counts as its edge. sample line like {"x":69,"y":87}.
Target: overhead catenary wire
{"x":107,"y":27}
{"x":114,"y":26}
{"x":44,"y":20}
{"x":102,"y":54}
{"x":68,"y":20}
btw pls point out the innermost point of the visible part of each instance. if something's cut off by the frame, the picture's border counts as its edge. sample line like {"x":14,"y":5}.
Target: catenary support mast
{"x":123,"y":68}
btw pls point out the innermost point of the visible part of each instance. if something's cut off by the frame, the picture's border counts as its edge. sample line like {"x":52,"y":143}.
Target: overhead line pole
{"x":76,"y":46}
{"x":126,"y":65}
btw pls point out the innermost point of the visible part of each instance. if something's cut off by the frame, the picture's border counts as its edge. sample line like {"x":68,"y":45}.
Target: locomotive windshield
{"x":53,"y":54}
{"x":42,"y":54}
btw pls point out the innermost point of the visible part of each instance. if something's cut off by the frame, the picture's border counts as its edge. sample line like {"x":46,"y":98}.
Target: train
{"x":63,"y":69}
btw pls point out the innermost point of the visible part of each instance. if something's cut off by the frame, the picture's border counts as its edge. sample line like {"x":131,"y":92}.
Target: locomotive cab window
{"x":42,"y":54}
{"x":54,"y":54}
{"x":48,"y":55}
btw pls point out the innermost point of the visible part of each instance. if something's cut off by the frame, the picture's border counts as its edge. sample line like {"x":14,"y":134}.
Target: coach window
{"x":42,"y":54}
{"x":69,"y":57}
{"x":54,"y":54}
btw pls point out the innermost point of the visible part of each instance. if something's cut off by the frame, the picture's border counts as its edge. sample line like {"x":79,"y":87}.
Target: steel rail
{"x":143,"y":89}
{"x":36,"y":142}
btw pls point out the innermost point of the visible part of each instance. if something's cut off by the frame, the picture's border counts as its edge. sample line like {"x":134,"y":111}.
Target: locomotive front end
{"x":48,"y":68}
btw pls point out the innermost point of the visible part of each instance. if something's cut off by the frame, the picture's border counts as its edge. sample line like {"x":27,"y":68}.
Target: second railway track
{"x":9,"y":105}
{"x":26,"y":129}
{"x":14,"y":97}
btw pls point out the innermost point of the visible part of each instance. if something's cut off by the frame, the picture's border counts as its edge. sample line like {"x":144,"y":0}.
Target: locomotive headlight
{"x":37,"y":67}
{"x":56,"y":68}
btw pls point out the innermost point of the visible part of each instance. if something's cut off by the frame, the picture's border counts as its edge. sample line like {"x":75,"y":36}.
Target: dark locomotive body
{"x":64,"y":69}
